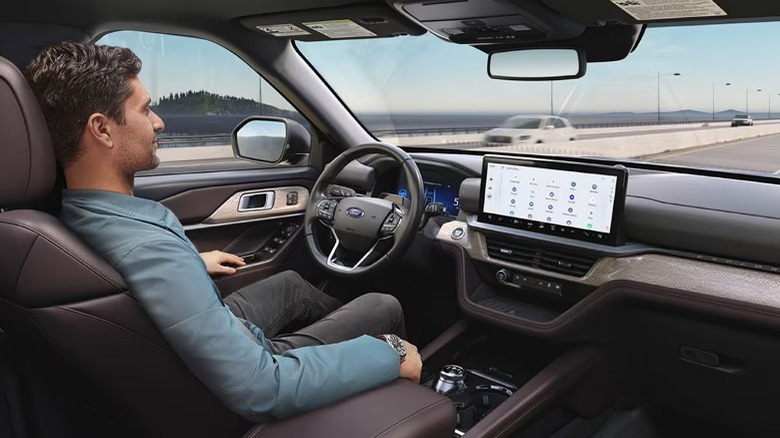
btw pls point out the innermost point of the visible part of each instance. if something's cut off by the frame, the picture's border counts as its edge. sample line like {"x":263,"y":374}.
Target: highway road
{"x":761,"y":154}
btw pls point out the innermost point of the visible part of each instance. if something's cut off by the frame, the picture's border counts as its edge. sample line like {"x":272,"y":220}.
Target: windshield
{"x":522,"y":123}
{"x":669,"y":101}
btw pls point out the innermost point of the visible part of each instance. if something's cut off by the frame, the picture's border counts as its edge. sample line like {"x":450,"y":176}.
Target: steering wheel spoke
{"x":335,"y":261}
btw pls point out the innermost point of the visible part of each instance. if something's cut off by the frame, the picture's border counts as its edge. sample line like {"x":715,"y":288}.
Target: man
{"x":104,"y":131}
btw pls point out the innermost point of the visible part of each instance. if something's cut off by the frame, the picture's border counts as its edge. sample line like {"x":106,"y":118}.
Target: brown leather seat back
{"x":72,"y":310}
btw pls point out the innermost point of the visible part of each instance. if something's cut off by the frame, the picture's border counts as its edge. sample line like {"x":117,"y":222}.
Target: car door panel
{"x":209,"y":210}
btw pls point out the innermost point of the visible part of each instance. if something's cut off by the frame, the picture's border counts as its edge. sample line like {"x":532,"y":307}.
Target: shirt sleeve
{"x":172,"y":285}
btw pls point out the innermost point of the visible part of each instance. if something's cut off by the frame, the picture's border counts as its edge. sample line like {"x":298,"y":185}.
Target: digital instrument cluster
{"x":445,"y":192}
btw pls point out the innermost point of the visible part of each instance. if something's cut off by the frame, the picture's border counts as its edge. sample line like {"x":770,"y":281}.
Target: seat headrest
{"x":27,"y":166}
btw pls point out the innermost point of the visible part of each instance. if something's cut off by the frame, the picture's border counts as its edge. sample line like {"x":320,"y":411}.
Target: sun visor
{"x":595,"y":12}
{"x":356,"y":21}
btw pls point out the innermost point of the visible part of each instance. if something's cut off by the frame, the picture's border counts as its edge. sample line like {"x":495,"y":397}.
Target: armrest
{"x":401,"y":409}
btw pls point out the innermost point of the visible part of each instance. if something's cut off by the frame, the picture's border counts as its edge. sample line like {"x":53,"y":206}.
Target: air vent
{"x":542,"y":258}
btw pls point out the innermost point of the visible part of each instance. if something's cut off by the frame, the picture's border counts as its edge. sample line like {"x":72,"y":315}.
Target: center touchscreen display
{"x":576,"y":200}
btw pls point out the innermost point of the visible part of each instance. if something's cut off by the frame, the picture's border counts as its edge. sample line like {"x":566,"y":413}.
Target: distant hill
{"x":205,"y":103}
{"x":201,"y":112}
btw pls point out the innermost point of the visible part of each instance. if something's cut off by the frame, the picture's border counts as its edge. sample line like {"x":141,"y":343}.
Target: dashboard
{"x":701,"y":215}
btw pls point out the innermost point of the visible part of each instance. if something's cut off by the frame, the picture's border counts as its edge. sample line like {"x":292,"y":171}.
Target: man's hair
{"x":72,"y":81}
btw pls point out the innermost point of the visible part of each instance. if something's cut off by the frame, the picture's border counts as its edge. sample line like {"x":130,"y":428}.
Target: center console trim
{"x":763,"y":311}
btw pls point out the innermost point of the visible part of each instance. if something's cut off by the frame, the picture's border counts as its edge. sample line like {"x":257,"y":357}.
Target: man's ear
{"x":99,"y":130}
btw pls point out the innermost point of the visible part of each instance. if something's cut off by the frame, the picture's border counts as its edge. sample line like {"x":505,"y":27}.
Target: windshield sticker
{"x":666,"y":9}
{"x":339,"y":29}
{"x":283,"y":30}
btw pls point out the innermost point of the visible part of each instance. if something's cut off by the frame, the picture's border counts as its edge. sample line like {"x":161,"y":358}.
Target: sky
{"x":426,"y":74}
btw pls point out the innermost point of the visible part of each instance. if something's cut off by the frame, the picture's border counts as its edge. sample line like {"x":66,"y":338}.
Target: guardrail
{"x":653,"y":123}
{"x":186,"y":140}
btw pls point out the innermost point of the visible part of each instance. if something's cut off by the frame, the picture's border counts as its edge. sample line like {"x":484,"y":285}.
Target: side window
{"x":201,"y":91}
{"x":559,"y":123}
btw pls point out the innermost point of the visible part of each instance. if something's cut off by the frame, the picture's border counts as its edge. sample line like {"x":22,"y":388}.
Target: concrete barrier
{"x":633,"y":146}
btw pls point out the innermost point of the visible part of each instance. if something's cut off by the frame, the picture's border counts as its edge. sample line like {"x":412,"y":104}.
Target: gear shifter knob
{"x":450,"y":377}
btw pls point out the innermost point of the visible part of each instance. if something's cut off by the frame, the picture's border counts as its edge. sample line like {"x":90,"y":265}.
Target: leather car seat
{"x":69,"y":306}
{"x":73,"y":314}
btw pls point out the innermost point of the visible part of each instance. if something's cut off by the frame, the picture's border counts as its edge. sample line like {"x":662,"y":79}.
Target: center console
{"x":474,"y":393}
{"x":499,"y":383}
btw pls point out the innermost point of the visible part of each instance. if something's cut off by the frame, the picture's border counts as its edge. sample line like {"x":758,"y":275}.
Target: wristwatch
{"x":397,"y":343}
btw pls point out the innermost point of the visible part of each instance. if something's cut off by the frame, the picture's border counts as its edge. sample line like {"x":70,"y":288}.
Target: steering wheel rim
{"x":404,"y":232}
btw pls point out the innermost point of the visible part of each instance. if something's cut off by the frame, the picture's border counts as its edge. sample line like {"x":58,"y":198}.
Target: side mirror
{"x":270,"y":139}
{"x":260,"y":139}
{"x":537,"y":64}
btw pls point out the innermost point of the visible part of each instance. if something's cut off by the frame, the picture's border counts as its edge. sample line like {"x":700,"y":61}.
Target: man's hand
{"x":411,"y":367}
{"x":216,"y":262}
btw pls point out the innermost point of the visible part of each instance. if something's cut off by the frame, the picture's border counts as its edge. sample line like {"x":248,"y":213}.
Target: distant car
{"x":531,"y":129}
{"x":741,"y":120}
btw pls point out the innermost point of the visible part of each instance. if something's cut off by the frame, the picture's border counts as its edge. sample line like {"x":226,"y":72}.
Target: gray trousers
{"x":293,"y":313}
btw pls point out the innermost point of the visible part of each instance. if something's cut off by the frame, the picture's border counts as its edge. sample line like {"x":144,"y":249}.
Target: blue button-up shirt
{"x":145,"y":242}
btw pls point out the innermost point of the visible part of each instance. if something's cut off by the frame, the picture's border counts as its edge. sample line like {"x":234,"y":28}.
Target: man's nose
{"x":157,"y":122}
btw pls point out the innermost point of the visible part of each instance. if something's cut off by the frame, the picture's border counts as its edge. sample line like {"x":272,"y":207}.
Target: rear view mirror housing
{"x":537,"y":64}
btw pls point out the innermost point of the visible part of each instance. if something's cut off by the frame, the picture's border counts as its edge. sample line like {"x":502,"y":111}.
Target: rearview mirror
{"x":537,"y":64}
{"x":261,"y":139}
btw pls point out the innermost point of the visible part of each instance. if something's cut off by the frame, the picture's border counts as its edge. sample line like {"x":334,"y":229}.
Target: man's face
{"x":136,"y":141}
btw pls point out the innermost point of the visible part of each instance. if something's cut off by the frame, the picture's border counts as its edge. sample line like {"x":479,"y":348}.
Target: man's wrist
{"x":396,"y":343}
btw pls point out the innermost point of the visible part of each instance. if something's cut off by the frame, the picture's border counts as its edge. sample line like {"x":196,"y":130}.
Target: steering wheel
{"x":361,"y":223}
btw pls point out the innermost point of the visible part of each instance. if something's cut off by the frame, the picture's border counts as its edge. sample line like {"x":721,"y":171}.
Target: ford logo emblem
{"x":355,"y":212}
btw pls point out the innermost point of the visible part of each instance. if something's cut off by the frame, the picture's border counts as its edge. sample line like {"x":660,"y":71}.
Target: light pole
{"x":551,"y":99}
{"x":659,"y":91}
{"x":713,"y":98}
{"x":747,"y":100}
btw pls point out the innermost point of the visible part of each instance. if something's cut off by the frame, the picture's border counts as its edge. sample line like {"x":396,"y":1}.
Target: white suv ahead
{"x":741,"y":120}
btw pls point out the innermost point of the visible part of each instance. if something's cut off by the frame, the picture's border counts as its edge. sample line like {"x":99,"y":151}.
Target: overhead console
{"x":335,"y":23}
{"x":489,"y":21}
{"x":567,"y":199}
